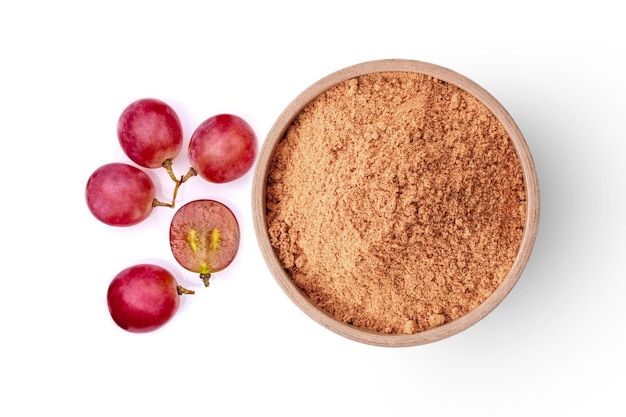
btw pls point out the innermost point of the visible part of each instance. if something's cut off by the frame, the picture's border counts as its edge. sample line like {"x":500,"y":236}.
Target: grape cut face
{"x":119,"y":194}
{"x":150,"y":132}
{"x":222,"y":148}
{"x":204,"y":237}
{"x":143,"y":298}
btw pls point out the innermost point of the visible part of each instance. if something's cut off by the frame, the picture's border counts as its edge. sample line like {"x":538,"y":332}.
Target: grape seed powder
{"x":396,"y":202}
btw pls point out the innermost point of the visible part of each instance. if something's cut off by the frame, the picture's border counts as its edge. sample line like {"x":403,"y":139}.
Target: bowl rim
{"x":355,"y":333}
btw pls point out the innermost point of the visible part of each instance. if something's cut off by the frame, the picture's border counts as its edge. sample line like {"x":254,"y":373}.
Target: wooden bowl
{"x":361,"y":333}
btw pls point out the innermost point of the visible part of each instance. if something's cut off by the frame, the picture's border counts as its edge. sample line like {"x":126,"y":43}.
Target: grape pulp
{"x":204,"y":237}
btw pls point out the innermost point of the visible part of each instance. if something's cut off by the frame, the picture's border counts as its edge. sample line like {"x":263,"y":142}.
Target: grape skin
{"x":143,"y":297}
{"x":119,"y":194}
{"x":150,"y":132}
{"x":222,"y":148}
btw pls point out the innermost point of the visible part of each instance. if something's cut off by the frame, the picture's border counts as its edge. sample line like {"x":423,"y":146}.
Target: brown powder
{"x":396,"y":202}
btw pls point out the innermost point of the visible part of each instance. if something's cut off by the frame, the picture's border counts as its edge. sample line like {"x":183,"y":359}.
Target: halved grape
{"x":119,"y":194}
{"x":223,"y":148}
{"x":150,"y":132}
{"x":143,"y":297}
{"x":204,"y":237}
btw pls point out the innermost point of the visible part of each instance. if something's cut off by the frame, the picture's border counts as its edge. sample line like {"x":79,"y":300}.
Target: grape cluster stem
{"x":167,"y":164}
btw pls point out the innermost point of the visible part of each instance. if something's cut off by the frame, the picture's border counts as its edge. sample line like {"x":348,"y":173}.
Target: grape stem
{"x":167,"y":164}
{"x":182,"y":290}
{"x":205,"y":278}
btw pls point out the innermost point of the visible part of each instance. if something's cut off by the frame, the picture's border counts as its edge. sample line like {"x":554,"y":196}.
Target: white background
{"x":555,"y":346}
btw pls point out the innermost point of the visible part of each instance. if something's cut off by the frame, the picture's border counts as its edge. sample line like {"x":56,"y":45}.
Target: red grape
{"x":222,"y":148}
{"x":150,"y":132}
{"x":119,"y":194}
{"x":204,"y":237}
{"x":143,"y":297}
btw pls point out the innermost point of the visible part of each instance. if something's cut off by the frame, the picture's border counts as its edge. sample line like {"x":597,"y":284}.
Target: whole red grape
{"x":222,"y":148}
{"x":119,"y":194}
{"x":150,"y":132}
{"x":143,"y":297}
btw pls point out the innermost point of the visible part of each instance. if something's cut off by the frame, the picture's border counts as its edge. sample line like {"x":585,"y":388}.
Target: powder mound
{"x":396,"y":202}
